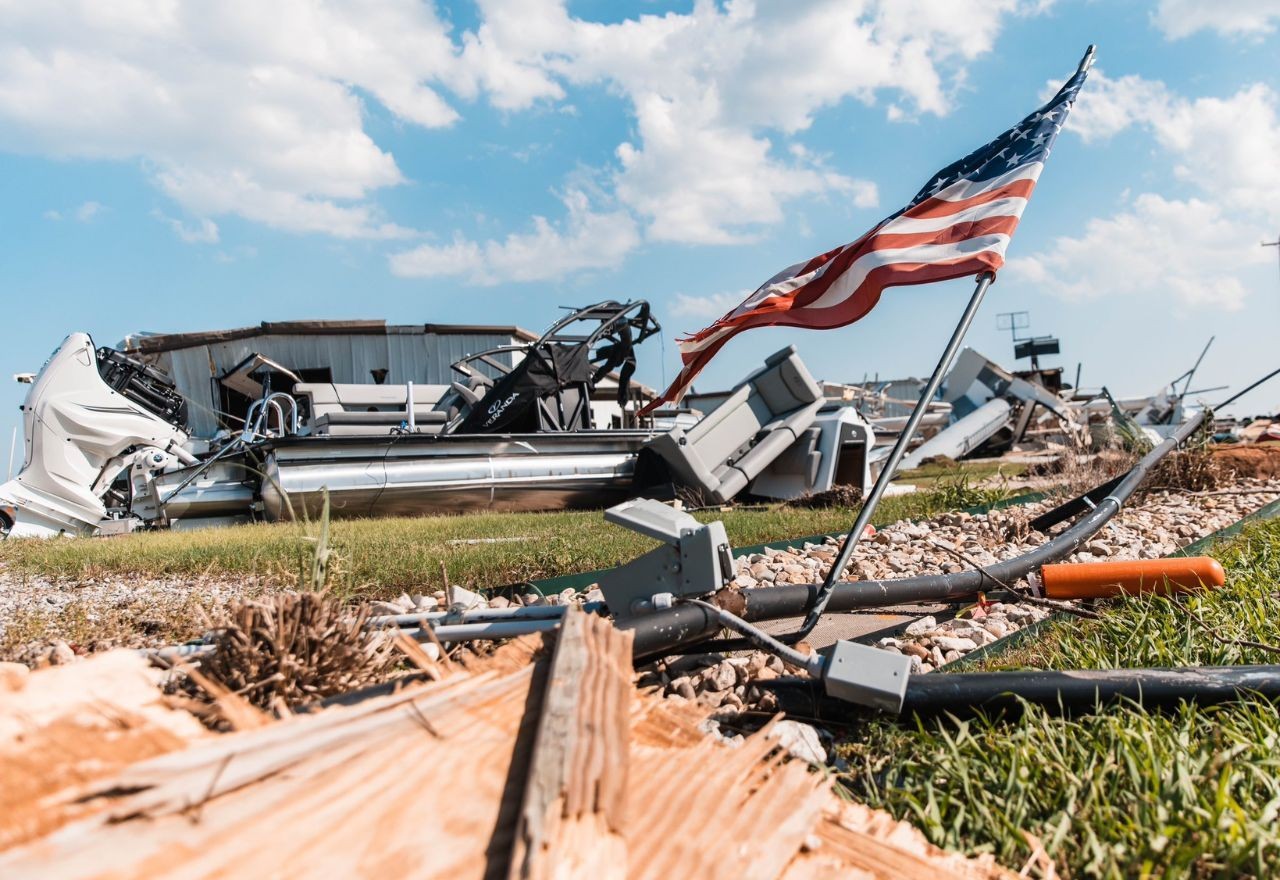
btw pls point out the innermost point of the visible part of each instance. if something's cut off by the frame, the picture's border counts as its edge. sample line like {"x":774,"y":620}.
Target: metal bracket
{"x":695,"y":560}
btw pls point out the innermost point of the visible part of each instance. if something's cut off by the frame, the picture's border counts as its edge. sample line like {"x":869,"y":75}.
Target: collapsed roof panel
{"x":151,"y":343}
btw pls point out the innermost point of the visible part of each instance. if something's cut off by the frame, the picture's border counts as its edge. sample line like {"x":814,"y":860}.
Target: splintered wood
{"x":534,"y":763}
{"x":67,"y":725}
{"x":575,"y":800}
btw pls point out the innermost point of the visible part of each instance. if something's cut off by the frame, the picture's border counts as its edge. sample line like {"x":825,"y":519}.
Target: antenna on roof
{"x":1026,"y":346}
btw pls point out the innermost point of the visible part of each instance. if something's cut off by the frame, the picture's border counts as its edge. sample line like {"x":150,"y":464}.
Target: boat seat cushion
{"x":737,"y":440}
{"x":428,"y":421}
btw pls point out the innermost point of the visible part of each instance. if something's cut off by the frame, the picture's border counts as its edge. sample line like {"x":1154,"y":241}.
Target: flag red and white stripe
{"x":958,"y":225}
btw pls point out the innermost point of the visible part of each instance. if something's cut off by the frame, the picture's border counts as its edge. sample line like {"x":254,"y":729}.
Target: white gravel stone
{"x":952,"y":643}
{"x":923,"y":625}
{"x":61,"y":654}
{"x":386,"y":608}
{"x":461,"y":596}
{"x":801,"y":740}
{"x":997,"y":628}
{"x":720,"y":678}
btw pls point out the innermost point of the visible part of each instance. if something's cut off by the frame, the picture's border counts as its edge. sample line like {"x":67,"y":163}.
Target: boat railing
{"x":258,"y":421}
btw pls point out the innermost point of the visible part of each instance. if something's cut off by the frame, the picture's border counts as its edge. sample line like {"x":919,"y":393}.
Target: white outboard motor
{"x":88,"y":417}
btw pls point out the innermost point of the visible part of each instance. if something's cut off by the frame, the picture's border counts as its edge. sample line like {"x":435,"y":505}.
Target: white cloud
{"x":1229,"y":146}
{"x":1190,"y":249}
{"x":719,"y":92}
{"x":1231,"y":18}
{"x":719,"y":96}
{"x":202,"y":231}
{"x":709,"y":307}
{"x":236,"y":107}
{"x":85,"y":212}
{"x":1224,"y":146}
{"x":700,"y":184}
{"x":88,"y":210}
{"x":1108,"y":106}
{"x":586,"y":240}
{"x":1223,"y":149}
{"x":258,"y":110}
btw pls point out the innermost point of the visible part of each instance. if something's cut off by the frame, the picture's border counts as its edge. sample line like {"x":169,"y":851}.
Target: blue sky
{"x":176,"y":167}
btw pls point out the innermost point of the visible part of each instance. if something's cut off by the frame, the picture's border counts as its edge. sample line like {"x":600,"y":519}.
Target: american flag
{"x":959,"y":224}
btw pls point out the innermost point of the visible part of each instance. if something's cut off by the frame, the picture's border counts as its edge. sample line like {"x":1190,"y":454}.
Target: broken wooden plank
{"x":855,"y":841}
{"x":574,"y":810}
{"x":716,"y":811}
{"x":545,"y":755}
{"x":65,"y":726}
{"x":410,"y":784}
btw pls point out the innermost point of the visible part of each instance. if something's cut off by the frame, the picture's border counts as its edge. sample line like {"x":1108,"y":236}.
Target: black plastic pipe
{"x":663,"y":632}
{"x":1074,"y":507}
{"x":1061,"y":692}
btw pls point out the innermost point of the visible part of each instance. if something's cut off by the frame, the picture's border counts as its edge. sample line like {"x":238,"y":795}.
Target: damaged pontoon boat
{"x":204,"y":429}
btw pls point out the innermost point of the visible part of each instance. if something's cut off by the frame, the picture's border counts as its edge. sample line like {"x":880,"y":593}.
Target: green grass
{"x":1117,"y":793}
{"x":958,"y":490}
{"x":929,"y":474}
{"x":381,"y":557}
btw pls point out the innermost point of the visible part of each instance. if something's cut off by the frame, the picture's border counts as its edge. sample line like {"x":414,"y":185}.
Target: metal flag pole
{"x":891,"y":464}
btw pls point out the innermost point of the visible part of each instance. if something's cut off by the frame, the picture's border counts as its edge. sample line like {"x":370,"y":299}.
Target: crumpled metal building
{"x":356,"y":352}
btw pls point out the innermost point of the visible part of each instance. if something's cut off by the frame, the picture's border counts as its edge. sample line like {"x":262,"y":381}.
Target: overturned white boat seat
{"x":761,"y":418}
{"x":350,"y":410}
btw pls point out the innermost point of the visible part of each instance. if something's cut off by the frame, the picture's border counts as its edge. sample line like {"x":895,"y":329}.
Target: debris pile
{"x":528,"y":769}
{"x":547,"y":751}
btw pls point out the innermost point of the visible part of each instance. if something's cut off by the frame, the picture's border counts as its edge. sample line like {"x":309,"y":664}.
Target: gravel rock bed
{"x":98,"y":613}
{"x":1160,"y":524}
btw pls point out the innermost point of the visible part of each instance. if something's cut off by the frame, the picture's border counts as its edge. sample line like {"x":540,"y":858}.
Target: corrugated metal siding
{"x":407,"y":356}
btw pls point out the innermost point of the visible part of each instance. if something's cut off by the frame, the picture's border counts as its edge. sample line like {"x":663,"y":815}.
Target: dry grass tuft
{"x":1190,"y":470}
{"x":840,"y":496}
{"x":292,"y":649}
{"x":1078,"y":469}
{"x":1012,"y":524}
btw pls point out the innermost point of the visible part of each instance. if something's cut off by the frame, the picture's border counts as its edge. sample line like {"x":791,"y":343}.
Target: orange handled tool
{"x":1104,"y":580}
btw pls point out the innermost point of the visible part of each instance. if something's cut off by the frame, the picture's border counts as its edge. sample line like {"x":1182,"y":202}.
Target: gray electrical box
{"x":695,"y":561}
{"x":867,"y":676}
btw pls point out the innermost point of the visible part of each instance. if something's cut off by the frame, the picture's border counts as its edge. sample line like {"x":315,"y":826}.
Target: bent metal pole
{"x":891,"y":464}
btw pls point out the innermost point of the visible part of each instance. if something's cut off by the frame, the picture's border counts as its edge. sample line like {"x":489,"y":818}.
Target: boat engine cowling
{"x":86,"y":415}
